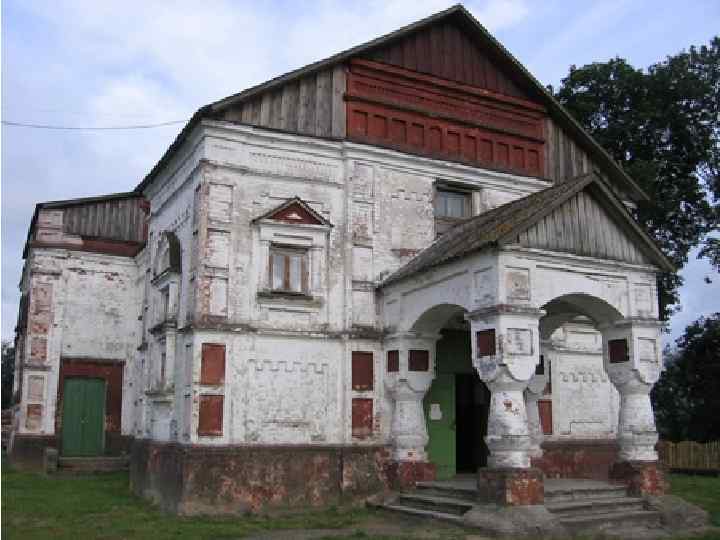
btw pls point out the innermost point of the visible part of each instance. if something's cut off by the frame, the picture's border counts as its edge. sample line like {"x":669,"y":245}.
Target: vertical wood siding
{"x":113,"y":219}
{"x":446,"y":51}
{"x":582,"y":227}
{"x":312,"y":105}
{"x":564,"y":159}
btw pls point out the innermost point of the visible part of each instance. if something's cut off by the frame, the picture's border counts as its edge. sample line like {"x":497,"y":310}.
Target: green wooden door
{"x":440,"y":418}
{"x":83,"y":423}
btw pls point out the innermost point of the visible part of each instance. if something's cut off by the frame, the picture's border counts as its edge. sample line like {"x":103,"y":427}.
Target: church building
{"x":403,"y":263}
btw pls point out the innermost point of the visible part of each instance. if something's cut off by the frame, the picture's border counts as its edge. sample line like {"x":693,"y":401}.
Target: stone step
{"x":93,"y":464}
{"x":427,"y":514}
{"x":442,"y":489}
{"x":434,"y":503}
{"x":594,"y":492}
{"x":612,"y":521}
{"x":596,"y":506}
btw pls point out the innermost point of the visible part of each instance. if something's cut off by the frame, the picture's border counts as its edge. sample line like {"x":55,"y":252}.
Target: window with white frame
{"x":289,"y":269}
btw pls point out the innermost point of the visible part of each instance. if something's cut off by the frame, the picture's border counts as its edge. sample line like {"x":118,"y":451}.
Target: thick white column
{"x":632,"y":359}
{"x":407,"y":387}
{"x":506,"y":349}
{"x":533,"y":393}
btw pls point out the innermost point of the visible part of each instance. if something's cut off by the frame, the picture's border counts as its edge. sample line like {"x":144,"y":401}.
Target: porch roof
{"x":502,"y":225}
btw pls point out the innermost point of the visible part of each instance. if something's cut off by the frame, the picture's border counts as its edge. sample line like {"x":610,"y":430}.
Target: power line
{"x":91,"y":128}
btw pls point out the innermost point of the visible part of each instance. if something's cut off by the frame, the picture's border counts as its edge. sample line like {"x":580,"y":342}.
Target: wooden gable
{"x":446,"y":51}
{"x":295,"y":211}
{"x":583,"y":226}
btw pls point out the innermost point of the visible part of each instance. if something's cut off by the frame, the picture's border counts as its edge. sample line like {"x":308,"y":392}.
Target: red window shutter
{"x":486,"y":342}
{"x":211,"y":415}
{"x":212,"y":366}
{"x":362,"y":370}
{"x":618,"y":351}
{"x":393,"y":361}
{"x":418,"y":360}
{"x":546,"y":420}
{"x":362,"y":417}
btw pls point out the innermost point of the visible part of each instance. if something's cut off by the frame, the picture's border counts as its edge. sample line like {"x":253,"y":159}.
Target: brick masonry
{"x":249,"y":479}
{"x":511,"y":487}
{"x":577,"y":458}
{"x":642,"y":478}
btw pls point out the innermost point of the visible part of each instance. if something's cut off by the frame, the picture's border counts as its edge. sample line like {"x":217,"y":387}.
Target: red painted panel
{"x":393,"y":361}
{"x":418,"y":360}
{"x":362,"y":371}
{"x":211,"y":415}
{"x":295,"y":213}
{"x":618,"y":351}
{"x":486,"y":342}
{"x":212,"y":365}
{"x":399,"y":109}
{"x":545,"y":412}
{"x":112,"y":372}
{"x":362,"y":417}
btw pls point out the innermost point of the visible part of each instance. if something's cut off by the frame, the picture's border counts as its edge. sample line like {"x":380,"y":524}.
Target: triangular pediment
{"x":295,"y":211}
{"x":587,"y":226}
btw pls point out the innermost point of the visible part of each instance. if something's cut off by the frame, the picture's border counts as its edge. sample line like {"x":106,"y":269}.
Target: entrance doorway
{"x":83,"y":419}
{"x":456,"y":409}
{"x":472,"y":400}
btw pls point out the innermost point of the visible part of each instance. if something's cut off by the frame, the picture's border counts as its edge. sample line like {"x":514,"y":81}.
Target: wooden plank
{"x":276,"y":110}
{"x":306,"y":105}
{"x":246,"y":115}
{"x":265,"y":107}
{"x":339,"y":84}
{"x":549,"y":150}
{"x":436,"y":44}
{"x":289,"y":107}
{"x":323,"y":105}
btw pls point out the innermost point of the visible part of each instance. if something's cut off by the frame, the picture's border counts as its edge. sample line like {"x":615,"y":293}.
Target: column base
{"x":511,"y":487}
{"x":405,"y":474}
{"x":641,"y":477}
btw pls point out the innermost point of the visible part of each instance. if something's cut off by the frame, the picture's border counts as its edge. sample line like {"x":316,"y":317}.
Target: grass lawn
{"x":100,"y":506}
{"x":87,"y":507}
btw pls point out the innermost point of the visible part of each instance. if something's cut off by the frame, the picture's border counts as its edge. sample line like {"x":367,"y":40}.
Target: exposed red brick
{"x":210,"y":422}
{"x":38,"y":349}
{"x":295,"y":213}
{"x":33,"y":417}
{"x":362,"y":417}
{"x":511,"y":487}
{"x":405,"y":474}
{"x":546,"y":418}
{"x":641,"y":477}
{"x":577,"y":458}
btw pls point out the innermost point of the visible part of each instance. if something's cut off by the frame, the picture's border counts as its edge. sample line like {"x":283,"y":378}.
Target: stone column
{"x":533,"y":393}
{"x":409,"y":372}
{"x":632,"y":359}
{"x":506,"y":351}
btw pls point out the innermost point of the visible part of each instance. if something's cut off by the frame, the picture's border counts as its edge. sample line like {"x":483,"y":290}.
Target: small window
{"x":452,"y":204}
{"x":289,"y":270}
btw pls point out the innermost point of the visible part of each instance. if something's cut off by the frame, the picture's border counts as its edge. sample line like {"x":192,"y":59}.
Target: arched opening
{"x":578,"y":402}
{"x":457,"y":404}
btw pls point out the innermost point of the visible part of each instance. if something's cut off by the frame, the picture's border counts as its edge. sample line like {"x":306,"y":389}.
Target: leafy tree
{"x":686,"y":398}
{"x":662,"y":125}
{"x":8,"y":373}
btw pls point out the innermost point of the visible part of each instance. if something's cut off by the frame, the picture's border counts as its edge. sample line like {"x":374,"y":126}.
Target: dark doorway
{"x":472,"y":400}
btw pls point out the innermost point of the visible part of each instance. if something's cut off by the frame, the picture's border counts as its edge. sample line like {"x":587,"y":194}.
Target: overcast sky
{"x":107,"y":63}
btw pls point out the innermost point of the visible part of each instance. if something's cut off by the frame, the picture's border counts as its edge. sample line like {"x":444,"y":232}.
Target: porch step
{"x":612,"y":522}
{"x":93,"y":464}
{"x":427,"y":514}
{"x":433,"y":503}
{"x":600,"y":506}
{"x":582,"y":490}
{"x":448,"y":490}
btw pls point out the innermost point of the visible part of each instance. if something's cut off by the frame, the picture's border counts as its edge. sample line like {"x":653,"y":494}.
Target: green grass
{"x":35,"y":506}
{"x":703,"y":491}
{"x":81,"y":507}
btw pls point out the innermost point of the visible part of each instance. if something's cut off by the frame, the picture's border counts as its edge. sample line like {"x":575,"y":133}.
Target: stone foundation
{"x":28,"y":451}
{"x":405,"y":474}
{"x":511,"y":487}
{"x":590,"y":459}
{"x":195,"y":479}
{"x":641,"y":477}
